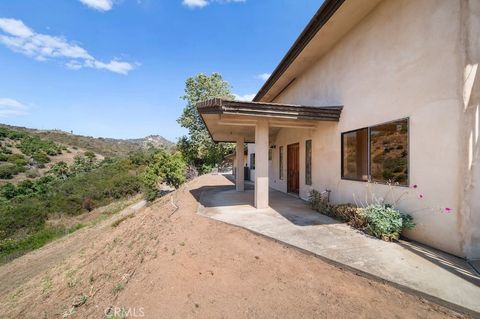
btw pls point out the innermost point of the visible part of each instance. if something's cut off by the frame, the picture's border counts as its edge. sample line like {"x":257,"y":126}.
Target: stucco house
{"x":374,"y":98}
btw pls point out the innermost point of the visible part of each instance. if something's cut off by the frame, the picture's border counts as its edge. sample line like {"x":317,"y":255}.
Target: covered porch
{"x":258,"y":122}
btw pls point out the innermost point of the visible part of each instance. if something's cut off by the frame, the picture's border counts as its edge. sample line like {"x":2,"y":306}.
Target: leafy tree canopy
{"x":198,"y":148}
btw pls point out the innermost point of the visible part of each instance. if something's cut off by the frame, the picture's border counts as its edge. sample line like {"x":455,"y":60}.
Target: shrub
{"x":7,"y":171}
{"x":87,"y":204}
{"x":17,"y":159}
{"x":60,"y":170}
{"x":385,"y":222}
{"x":31,"y":145}
{"x":90,"y":155}
{"x":351,"y":214}
{"x":165,"y":167}
{"x":379,"y":220}
{"x":6,"y":150}
{"x":319,"y":203}
{"x":41,"y":157}
{"x":3,"y":157}
{"x":82,"y":164}
{"x":8,"y":191}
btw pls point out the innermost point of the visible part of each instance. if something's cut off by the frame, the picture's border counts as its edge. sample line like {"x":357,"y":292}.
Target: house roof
{"x":333,"y":20}
{"x":271,"y":110}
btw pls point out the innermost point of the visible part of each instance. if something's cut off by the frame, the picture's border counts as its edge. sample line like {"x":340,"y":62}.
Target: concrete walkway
{"x":431,"y":274}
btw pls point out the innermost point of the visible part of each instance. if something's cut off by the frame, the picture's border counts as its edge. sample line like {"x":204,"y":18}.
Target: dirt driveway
{"x":165,"y":262}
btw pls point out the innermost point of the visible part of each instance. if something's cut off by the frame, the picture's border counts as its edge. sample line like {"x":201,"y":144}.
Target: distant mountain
{"x":156,"y":141}
{"x":103,"y":146}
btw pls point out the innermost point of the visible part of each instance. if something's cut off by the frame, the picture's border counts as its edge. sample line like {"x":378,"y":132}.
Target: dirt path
{"x":172,"y":263}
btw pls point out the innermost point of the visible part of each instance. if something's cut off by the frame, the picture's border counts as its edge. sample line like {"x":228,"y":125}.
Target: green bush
{"x":351,"y":214}
{"x":32,"y":173}
{"x":41,"y":157}
{"x":32,"y":145}
{"x":17,"y":159}
{"x":5,"y":150}
{"x":381,"y":221}
{"x":60,"y":170}
{"x":7,"y":171}
{"x":385,"y":222}
{"x":8,"y":191}
{"x":319,"y":203}
{"x":89,"y":154}
{"x":3,"y":157}
{"x":165,"y":168}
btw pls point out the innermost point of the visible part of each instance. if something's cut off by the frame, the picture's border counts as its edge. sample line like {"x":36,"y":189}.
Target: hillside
{"x":107,"y":147}
{"x":45,"y":176}
{"x":26,"y":156}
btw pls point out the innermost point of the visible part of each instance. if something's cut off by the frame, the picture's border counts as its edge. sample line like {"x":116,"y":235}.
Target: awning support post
{"x":261,"y":164}
{"x":239,"y":158}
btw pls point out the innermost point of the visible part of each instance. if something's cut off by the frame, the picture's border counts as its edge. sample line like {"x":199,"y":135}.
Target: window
{"x":252,"y":161}
{"x":308,"y":162}
{"x":355,"y":155}
{"x":270,"y":154}
{"x":280,"y":162}
{"x":389,"y":152}
{"x":378,"y":153}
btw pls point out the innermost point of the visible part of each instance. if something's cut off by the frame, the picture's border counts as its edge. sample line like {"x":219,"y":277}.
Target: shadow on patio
{"x":226,"y":198}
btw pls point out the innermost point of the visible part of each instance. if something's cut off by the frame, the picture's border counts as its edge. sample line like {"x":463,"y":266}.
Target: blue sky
{"x":117,"y":68}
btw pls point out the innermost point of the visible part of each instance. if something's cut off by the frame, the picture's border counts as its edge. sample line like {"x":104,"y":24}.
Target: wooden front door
{"x":293,"y":168}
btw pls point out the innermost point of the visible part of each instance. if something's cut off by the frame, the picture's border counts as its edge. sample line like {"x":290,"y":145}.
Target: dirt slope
{"x":169,"y":263}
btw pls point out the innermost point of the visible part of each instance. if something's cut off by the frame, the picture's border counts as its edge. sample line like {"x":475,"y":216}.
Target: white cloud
{"x":263,"y":76}
{"x":11,"y":107}
{"x":15,"y":28}
{"x":100,"y":5}
{"x":195,"y":3}
{"x":42,"y":47}
{"x":245,"y":97}
{"x":203,"y":3}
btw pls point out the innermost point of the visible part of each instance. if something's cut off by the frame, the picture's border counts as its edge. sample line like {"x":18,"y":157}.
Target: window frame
{"x":280,"y":162}
{"x":369,"y":157}
{"x":308,"y":173}
{"x":342,"y":173}
{"x":252,"y":161}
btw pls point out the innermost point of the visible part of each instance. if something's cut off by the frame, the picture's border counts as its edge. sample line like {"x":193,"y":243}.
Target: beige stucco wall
{"x":403,"y":60}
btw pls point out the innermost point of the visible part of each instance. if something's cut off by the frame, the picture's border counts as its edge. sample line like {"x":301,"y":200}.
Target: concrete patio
{"x":410,"y":266}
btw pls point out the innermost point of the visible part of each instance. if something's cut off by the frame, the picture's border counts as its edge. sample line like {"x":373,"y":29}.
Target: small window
{"x":270,"y":154}
{"x":252,"y":161}
{"x":389,"y":152}
{"x":308,"y":162}
{"x":280,"y":162}
{"x":355,"y":155}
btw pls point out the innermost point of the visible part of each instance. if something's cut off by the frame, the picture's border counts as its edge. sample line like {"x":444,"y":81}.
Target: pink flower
{"x":447,"y":210}
{"x":415,"y":186}
{"x":420,"y":196}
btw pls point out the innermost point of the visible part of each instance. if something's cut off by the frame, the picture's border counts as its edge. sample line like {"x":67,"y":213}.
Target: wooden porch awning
{"x":275,"y":110}
{"x":228,"y":120}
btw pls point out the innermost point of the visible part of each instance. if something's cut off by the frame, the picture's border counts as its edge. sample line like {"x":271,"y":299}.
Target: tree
{"x":165,"y":168}
{"x":197,"y":148}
